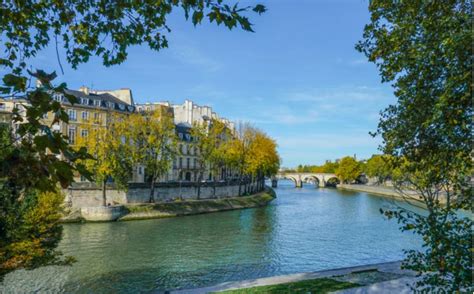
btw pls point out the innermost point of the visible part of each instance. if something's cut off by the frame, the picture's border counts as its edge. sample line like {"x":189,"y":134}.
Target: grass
{"x":323,"y":285}
{"x":189,"y":207}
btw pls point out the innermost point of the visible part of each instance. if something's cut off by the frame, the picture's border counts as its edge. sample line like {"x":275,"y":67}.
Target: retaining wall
{"x":89,"y":195}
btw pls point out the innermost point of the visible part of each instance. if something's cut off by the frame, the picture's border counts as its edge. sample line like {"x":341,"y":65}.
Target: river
{"x":302,"y":230}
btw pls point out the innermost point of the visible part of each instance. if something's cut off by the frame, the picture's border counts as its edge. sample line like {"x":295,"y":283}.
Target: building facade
{"x":95,"y":108}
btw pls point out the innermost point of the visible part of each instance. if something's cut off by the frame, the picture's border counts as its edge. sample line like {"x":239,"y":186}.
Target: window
{"x":72,"y":134}
{"x":45,"y":116}
{"x":84,"y":101}
{"x":2,"y":106}
{"x":188,"y":165}
{"x":72,"y":114}
{"x":84,"y":133}
{"x":180,"y":135}
{"x":188,"y":137}
{"x":58,"y":97}
{"x":97,"y":102}
{"x":180,"y":162}
{"x":96,"y":117}
{"x":83,"y":179}
{"x":56,"y":127}
{"x":140,"y":171}
{"x":175,"y":164}
{"x":195,"y":163}
{"x":85,"y":115}
{"x":181,"y":148}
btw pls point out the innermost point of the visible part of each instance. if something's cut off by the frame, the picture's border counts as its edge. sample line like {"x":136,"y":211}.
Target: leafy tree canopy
{"x":422,"y":48}
{"x":348,"y":170}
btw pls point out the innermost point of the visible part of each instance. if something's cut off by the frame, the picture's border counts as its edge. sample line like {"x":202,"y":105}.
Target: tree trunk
{"x":104,"y":196}
{"x":152,"y":190}
{"x":214,"y":188}
{"x":240,"y":186}
{"x":199,"y":185}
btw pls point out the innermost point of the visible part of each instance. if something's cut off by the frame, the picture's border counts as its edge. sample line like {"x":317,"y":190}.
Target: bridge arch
{"x":319,"y":179}
{"x":332,"y":181}
{"x":314,"y":179}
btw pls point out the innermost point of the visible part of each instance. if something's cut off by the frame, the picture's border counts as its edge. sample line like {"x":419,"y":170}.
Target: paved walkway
{"x":393,"y":286}
{"x":398,"y":286}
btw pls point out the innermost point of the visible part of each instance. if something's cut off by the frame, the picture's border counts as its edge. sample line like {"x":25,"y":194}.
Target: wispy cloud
{"x":352,"y":62}
{"x":318,"y":105}
{"x":193,"y":56}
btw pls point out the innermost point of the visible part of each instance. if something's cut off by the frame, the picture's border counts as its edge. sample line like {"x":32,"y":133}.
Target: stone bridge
{"x":318,"y":179}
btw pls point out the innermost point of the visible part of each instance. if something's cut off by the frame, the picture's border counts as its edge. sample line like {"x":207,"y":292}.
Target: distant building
{"x":186,"y":164}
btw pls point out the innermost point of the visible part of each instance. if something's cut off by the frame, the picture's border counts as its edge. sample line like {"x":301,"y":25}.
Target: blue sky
{"x":298,"y":77}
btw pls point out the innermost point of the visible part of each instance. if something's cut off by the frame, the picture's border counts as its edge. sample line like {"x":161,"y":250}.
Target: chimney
{"x":84,"y":90}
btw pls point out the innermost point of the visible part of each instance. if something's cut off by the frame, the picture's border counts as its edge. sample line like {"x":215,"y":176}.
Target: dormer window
{"x":84,"y":101}
{"x":97,"y":102}
{"x":180,"y":135}
{"x":58,"y":97}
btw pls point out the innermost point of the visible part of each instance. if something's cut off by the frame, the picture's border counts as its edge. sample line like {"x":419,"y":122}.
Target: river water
{"x":302,"y":230}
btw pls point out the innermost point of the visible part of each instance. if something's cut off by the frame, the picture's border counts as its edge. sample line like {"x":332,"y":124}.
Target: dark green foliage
{"x":103,"y":28}
{"x":422,"y":48}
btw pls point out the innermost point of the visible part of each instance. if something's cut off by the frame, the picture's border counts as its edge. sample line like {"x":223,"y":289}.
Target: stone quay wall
{"x":87,"y":194}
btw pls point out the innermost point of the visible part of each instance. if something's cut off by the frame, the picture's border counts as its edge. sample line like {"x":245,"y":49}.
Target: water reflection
{"x":304,"y":229}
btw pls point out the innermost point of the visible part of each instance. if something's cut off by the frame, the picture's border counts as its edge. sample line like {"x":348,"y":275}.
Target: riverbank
{"x":191,"y":207}
{"x":389,"y":192}
{"x":140,"y":211}
{"x":369,"y":278}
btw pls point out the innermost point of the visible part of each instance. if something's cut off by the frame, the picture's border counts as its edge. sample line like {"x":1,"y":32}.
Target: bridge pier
{"x":322,"y":183}
{"x":299,"y":184}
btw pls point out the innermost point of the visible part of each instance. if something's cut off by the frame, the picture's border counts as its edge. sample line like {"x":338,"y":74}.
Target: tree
{"x":263,"y":159}
{"x":348,"y":170}
{"x":152,"y":139}
{"x":379,"y":166}
{"x":30,"y":238}
{"x":34,"y":161}
{"x":239,"y":151}
{"x":218,"y":160}
{"x":420,"y":47}
{"x":40,"y":158}
{"x":206,"y":139}
{"x":110,"y":153}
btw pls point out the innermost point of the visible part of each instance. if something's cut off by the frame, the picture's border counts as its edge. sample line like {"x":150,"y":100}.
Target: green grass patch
{"x":189,"y":207}
{"x":323,"y":285}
